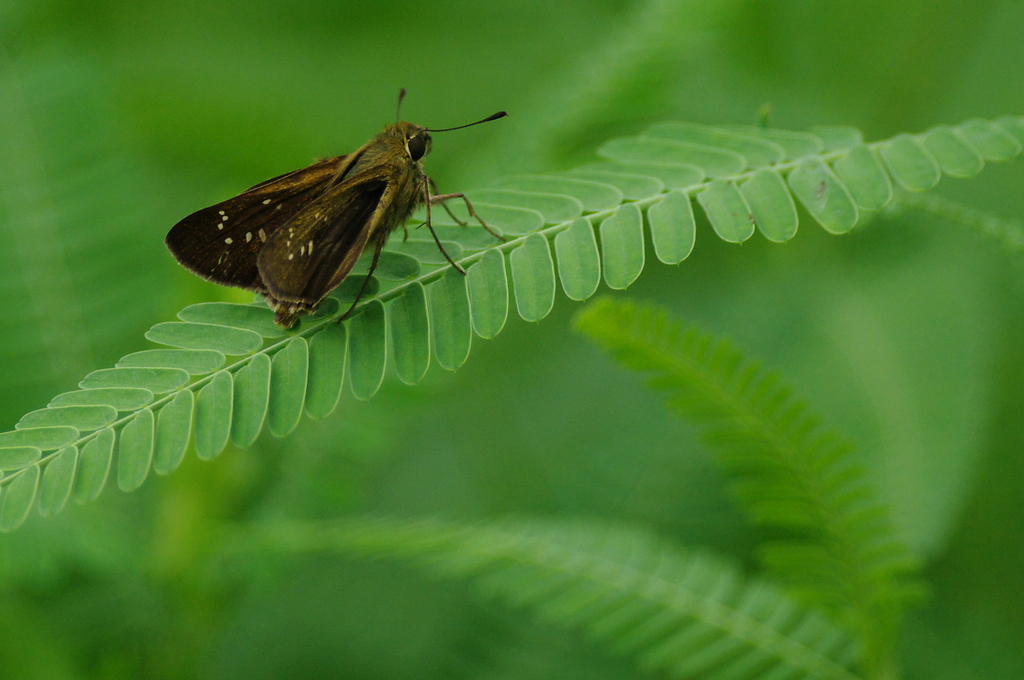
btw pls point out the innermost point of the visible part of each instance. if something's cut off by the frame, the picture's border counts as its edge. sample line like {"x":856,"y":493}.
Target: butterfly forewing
{"x":222,"y":243}
{"x":311,"y":254}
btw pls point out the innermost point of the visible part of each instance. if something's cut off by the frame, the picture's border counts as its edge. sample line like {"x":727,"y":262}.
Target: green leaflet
{"x":173,"y":431}
{"x":824,"y":196}
{"x":488,"y":294}
{"x":288,"y":377}
{"x":82,"y":418}
{"x":633,"y":187}
{"x":797,"y":144}
{"x":17,"y":498}
{"x":622,"y":246}
{"x":251,"y":400}
{"x":533,"y":277}
{"x":331,"y":305}
{"x":187,"y":335}
{"x":426,"y":251}
{"x":156,"y":380}
{"x":713,"y":162}
{"x":553,"y":207}
{"x":1013,"y":127}
{"x":838,"y":137}
{"x":727,"y":211}
{"x":954,"y":155}
{"x":410,"y":334}
{"x":58,"y":478}
{"x":771,"y":204}
{"x":214,"y":406}
{"x":135,"y":450}
{"x":359,"y":285}
{"x":991,"y":141}
{"x":391,"y":266}
{"x":864,"y":177}
{"x":759,"y":153}
{"x":449,"y":320}
{"x":673,"y":229}
{"x":469,"y":237}
{"x":17,"y":457}
{"x":94,"y":466}
{"x":44,"y":438}
{"x":327,"y":353}
{"x":256,"y":317}
{"x":121,"y":398}
{"x":671,"y":175}
{"x":579,"y":263}
{"x":194,"y":361}
{"x":510,"y":220}
{"x":593,"y":196}
{"x":367,"y":350}
{"x":910,"y":165}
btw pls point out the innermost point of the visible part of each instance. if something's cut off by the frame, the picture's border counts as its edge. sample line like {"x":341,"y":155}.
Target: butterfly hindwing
{"x":222,"y":243}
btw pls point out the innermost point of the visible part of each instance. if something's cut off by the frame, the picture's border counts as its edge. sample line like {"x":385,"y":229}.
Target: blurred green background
{"x":119,"y":117}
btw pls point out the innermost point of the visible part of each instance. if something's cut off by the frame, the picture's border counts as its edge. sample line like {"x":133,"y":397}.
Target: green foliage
{"x":683,"y":612}
{"x":742,"y":177}
{"x":838,"y":547}
{"x":67,"y":217}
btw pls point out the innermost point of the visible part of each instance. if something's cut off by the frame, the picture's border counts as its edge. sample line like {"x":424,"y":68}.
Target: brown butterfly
{"x":295,"y":238}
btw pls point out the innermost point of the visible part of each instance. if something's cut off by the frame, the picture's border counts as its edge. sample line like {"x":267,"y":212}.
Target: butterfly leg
{"x":427,"y":202}
{"x":433,"y":188}
{"x":469,"y":206}
{"x":366,"y":281}
{"x":442,"y":198}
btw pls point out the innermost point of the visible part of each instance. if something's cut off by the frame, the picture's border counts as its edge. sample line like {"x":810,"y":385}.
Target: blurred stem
{"x":1009,"y":233}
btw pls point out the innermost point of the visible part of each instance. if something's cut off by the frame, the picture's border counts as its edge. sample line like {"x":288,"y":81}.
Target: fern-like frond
{"x":685,"y":612}
{"x":742,"y":178}
{"x":790,"y":473}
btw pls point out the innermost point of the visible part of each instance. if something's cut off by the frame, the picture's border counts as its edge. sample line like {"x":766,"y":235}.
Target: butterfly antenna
{"x":499,"y":114}
{"x":398,"y":109}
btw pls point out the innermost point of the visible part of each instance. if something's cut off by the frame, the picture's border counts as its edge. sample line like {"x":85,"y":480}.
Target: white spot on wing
{"x":228,"y":240}
{"x":263,"y":235}
{"x":310,"y":247}
{"x":266,"y":201}
{"x":248,"y":236}
{"x":291,"y":256}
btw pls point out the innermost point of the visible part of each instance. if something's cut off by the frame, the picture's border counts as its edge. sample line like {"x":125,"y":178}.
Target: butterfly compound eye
{"x":417,"y":147}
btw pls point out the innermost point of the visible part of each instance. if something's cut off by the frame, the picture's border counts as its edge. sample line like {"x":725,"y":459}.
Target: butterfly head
{"x":413,"y":139}
{"x":418,"y":143}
